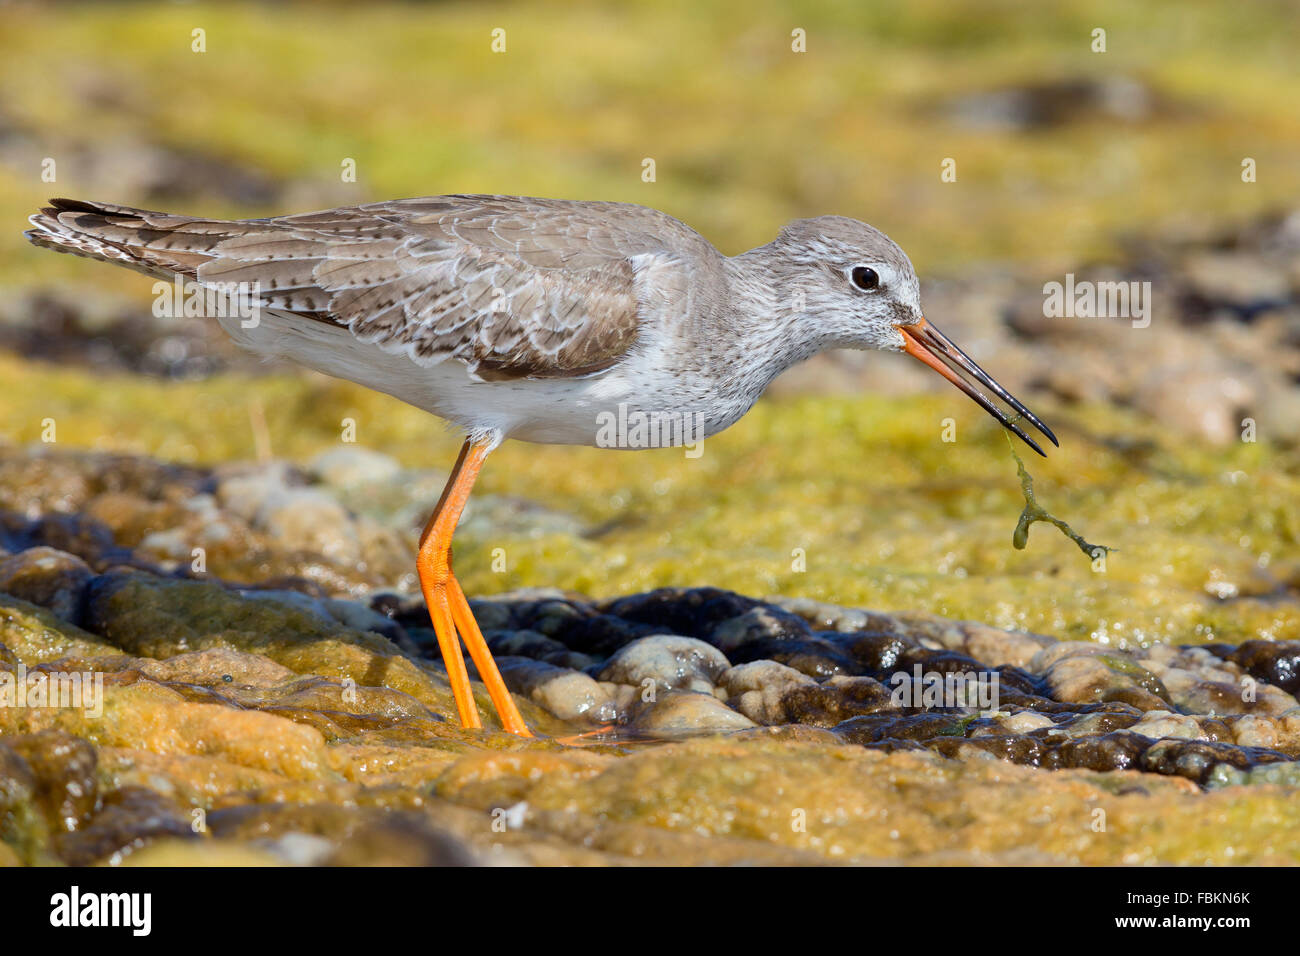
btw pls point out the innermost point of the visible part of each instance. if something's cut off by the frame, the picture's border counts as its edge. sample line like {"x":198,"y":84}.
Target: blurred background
{"x":1123,"y":164}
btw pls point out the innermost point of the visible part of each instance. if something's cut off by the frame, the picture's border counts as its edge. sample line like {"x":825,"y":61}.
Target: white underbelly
{"x":632,"y":405}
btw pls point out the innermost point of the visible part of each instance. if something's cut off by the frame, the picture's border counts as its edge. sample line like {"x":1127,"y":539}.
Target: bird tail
{"x":155,"y":243}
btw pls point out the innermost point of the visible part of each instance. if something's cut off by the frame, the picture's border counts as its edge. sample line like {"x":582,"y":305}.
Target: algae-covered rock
{"x":53,"y":579}
{"x":143,"y":715}
{"x":33,"y":635}
{"x":827,"y":801}
{"x":288,"y":724}
{"x":213,"y":668}
{"x":157,"y":617}
{"x":1086,"y":677}
{"x":64,"y":769}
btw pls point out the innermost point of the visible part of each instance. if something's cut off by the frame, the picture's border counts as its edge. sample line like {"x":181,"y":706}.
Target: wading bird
{"x":533,"y":319}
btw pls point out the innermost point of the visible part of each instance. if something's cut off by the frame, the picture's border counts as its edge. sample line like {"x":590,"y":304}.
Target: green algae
{"x":1033,"y":511}
{"x":854,"y":805}
{"x":160,"y":618}
{"x":860,"y":506}
{"x":33,"y":635}
{"x":229,"y":716}
{"x":959,"y":726}
{"x":1131,"y":668}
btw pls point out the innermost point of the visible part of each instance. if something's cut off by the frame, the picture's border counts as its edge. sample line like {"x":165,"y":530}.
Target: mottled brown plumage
{"x":511,"y":287}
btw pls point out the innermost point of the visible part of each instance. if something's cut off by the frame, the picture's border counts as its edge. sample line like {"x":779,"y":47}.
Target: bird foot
{"x":453,"y":622}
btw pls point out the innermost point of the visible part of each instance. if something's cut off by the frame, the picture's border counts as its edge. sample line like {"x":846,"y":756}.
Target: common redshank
{"x":536,"y":319}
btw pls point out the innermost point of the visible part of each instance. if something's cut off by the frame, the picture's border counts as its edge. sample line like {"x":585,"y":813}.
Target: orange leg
{"x":448,"y":608}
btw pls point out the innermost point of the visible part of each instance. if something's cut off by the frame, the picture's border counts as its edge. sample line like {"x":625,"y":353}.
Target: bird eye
{"x":866,"y":278}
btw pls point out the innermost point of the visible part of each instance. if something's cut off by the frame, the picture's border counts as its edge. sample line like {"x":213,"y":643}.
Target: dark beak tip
{"x":1034,"y":445}
{"x":944,"y":356}
{"x":1020,"y":433}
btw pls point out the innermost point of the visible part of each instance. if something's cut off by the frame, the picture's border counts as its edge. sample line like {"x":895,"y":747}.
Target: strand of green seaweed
{"x":1033,"y":511}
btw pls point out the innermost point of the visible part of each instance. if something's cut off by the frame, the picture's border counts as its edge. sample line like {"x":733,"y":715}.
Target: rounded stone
{"x":671,"y":661}
{"x":759,"y":623}
{"x":50,"y":578}
{"x":758,"y":690}
{"x":683,"y":714}
{"x":568,"y":694}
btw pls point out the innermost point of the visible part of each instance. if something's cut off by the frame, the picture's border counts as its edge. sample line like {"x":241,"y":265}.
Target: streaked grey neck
{"x":769,"y":312}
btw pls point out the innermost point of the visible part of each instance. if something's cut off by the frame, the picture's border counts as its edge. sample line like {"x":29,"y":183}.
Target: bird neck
{"x":769,"y":314}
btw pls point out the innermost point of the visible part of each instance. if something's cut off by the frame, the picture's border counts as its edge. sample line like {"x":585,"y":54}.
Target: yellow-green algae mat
{"x":250,"y":715}
{"x":860,"y":502}
{"x":885,"y":517}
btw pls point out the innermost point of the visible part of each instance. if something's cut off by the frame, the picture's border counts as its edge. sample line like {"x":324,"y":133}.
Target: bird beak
{"x":936,"y":350}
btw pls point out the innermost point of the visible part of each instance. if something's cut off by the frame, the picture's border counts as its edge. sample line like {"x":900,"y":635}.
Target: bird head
{"x":862,"y":292}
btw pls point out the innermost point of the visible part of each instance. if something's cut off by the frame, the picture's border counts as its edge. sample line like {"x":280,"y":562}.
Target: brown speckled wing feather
{"x":510,"y":286}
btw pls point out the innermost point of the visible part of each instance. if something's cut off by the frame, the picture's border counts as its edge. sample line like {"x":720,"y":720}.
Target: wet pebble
{"x":1118,"y":750}
{"x":693,"y":612}
{"x":128,"y":819}
{"x":1022,"y":723}
{"x":345,"y":836}
{"x":761,"y":689}
{"x":566,"y":693}
{"x":539,"y":647}
{"x":757,"y":624}
{"x":48,"y":577}
{"x":670,"y":661}
{"x":1278,"y":663}
{"x":1015,"y":748}
{"x":874,"y":728}
{"x":817,"y":657}
{"x":1196,"y":759}
{"x":64,"y":782}
{"x":603,"y":635}
{"x":1159,"y":724}
{"x":831,"y":702}
{"x":687,"y":713}
{"x":875,"y":651}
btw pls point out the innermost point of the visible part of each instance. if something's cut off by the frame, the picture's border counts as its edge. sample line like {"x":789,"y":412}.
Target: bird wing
{"x":513,"y":287}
